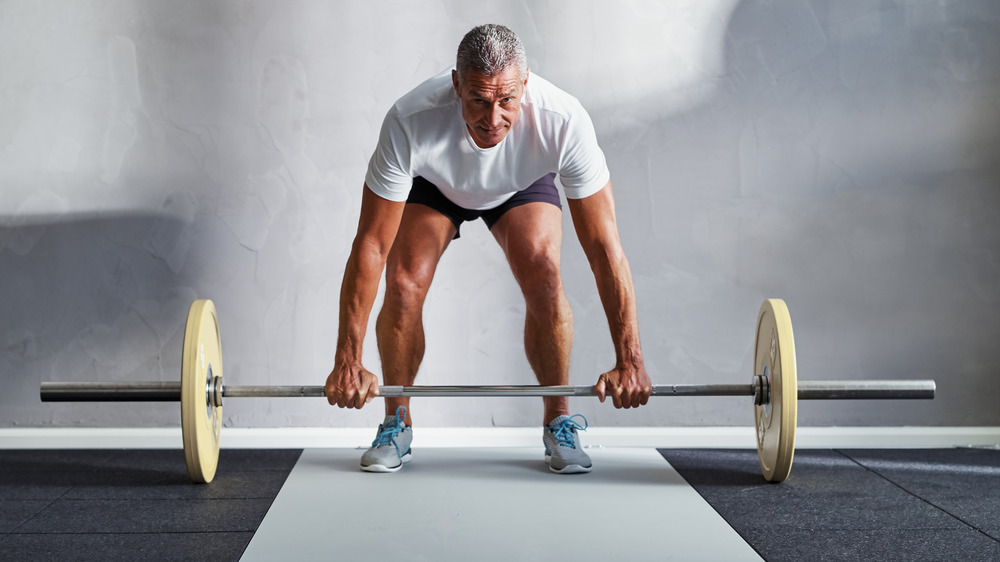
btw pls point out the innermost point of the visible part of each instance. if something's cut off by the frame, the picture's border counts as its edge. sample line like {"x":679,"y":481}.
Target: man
{"x":484,"y":141}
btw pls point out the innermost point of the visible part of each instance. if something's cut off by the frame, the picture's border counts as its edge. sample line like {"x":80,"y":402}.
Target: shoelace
{"x":387,"y":433}
{"x":564,"y":431}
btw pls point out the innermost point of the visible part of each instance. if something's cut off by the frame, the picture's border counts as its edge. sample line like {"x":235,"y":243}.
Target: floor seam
{"x":46,"y":506}
{"x":153,"y":499}
{"x":130,"y":533}
{"x":915,"y":495}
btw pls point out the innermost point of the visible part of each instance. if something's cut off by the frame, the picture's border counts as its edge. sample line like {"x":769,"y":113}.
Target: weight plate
{"x":774,"y":357}
{"x":200,"y":418}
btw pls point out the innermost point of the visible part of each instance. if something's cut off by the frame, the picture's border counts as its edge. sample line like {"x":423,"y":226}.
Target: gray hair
{"x":489,"y":50}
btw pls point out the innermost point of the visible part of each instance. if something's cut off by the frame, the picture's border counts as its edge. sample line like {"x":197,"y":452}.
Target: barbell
{"x":774,"y":388}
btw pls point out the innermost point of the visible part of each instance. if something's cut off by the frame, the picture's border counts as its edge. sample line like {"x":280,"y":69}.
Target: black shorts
{"x":425,"y":193}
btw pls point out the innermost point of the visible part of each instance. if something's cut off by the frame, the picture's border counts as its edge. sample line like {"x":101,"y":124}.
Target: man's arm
{"x":350,"y":384}
{"x":628,"y":383}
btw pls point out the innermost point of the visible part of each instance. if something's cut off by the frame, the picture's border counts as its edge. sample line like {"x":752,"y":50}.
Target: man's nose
{"x":495,"y":116}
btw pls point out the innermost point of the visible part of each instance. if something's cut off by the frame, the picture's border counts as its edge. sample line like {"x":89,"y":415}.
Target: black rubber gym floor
{"x":900,"y":504}
{"x":933,"y":504}
{"x":133,"y":505}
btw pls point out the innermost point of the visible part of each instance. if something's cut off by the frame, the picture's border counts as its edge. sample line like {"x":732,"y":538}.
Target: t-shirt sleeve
{"x":388,"y":170}
{"x":583,"y":170}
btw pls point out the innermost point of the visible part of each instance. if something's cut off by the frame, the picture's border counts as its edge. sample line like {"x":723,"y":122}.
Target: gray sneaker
{"x":391,"y":447}
{"x":563,"y":451}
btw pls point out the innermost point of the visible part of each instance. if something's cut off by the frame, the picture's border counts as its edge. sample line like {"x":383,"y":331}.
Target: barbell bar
{"x":171,"y":391}
{"x":774,"y":388}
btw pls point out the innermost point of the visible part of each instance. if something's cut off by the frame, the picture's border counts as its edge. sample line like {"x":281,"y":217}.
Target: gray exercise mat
{"x":492,"y":504}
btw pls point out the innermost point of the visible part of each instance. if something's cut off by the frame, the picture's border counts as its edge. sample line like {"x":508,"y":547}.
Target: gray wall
{"x":840,"y":155}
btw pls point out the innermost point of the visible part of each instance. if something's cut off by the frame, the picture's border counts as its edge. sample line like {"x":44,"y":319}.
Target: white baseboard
{"x":671,"y":437}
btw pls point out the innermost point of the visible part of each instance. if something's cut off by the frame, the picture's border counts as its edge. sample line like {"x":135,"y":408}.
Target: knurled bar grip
{"x":171,"y":391}
{"x":484,"y":391}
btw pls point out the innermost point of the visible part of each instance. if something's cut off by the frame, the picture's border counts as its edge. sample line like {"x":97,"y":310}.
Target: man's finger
{"x":328,"y":391}
{"x":361,"y":398}
{"x":636,"y":396}
{"x":601,"y":389}
{"x":616,"y":395}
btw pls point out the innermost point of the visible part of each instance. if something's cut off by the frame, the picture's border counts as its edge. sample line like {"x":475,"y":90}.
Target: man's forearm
{"x":376,"y":232}
{"x":597,"y":230}
{"x":357,"y":295}
{"x":614,"y":285}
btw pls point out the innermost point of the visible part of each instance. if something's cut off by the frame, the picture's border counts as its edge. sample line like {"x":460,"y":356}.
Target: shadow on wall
{"x":97,"y":299}
{"x":820,"y":111}
{"x":157,"y":165}
{"x":845,"y":161}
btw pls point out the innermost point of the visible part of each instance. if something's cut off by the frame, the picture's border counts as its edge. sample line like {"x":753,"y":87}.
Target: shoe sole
{"x":381,"y":468}
{"x":568,"y":469}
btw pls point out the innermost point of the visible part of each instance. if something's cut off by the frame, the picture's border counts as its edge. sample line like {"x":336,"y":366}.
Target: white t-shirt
{"x":424,"y":135}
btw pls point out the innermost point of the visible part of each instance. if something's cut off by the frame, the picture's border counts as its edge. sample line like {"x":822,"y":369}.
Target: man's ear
{"x":454,"y":82}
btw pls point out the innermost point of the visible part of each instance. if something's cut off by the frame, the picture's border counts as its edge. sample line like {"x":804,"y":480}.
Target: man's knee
{"x":539,"y":277}
{"x":406,"y":287}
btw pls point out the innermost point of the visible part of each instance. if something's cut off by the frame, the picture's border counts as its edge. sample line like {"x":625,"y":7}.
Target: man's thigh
{"x":530,"y":235}
{"x":422,"y":238}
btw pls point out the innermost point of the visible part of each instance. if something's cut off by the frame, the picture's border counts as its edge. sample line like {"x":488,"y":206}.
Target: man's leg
{"x":422,"y":238}
{"x":531,"y":238}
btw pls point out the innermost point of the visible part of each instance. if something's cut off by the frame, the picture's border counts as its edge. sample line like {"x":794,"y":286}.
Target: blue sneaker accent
{"x":391,"y":447}
{"x":562,"y":449}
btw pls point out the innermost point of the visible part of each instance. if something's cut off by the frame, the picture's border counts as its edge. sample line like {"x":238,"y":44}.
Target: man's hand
{"x":628,"y":387}
{"x":350,"y":386}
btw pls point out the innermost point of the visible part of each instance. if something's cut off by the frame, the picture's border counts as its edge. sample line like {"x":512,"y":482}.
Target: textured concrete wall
{"x":844,"y":156}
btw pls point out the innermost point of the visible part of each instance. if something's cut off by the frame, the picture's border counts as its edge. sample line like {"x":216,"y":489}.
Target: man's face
{"x":490,"y":104}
